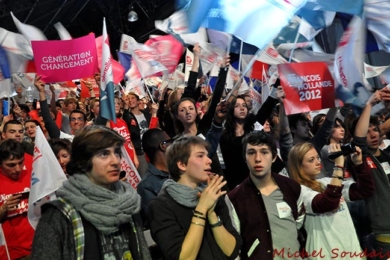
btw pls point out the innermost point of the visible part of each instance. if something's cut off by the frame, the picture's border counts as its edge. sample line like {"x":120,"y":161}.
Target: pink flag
{"x":65,"y":60}
{"x":167,"y":50}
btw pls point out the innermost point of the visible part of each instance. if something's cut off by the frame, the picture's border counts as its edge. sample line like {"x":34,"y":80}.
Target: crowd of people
{"x":218,"y":181}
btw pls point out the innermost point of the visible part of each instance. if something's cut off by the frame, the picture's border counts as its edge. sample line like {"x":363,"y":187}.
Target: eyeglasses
{"x":169,"y":141}
{"x":74,"y":119}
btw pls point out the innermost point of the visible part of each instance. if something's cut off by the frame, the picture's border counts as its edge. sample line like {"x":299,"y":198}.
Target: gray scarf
{"x":182,"y":194}
{"x":105,"y":209}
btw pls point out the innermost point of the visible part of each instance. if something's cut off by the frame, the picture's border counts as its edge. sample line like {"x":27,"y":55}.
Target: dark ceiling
{"x":81,"y":17}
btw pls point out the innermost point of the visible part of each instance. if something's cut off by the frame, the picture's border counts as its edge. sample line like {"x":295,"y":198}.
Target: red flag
{"x":308,"y":86}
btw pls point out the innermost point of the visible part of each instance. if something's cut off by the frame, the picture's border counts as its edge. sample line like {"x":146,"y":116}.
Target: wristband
{"x":218,"y":224}
{"x":338,"y":177}
{"x":339,"y":167}
{"x":197,"y":223}
{"x":196,"y":216}
{"x":198,"y":212}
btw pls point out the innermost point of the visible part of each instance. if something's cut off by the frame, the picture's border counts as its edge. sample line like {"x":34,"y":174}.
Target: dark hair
{"x":11,"y":122}
{"x":230,"y":123}
{"x":151,"y":140}
{"x":78,"y":112}
{"x":11,"y":149}
{"x":33,"y":121}
{"x":58,"y":103}
{"x":316,"y":123}
{"x":24,"y":108}
{"x":349,"y":128}
{"x":259,"y":138}
{"x":373,"y":121}
{"x":179,"y":125}
{"x":60,"y":144}
{"x":180,"y":151}
{"x":293,"y":120}
{"x":87,"y":143}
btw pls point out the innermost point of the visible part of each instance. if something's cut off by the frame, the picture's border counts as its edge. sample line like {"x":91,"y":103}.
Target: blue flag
{"x":5,"y":107}
{"x":354,"y":7}
{"x":244,"y":18}
{"x":4,"y":67}
{"x":124,"y":60}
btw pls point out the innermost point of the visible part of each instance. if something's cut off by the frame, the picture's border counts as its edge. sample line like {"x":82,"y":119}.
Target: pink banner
{"x":65,"y":60}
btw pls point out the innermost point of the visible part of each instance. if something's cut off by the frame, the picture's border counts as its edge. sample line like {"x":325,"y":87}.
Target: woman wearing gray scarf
{"x":188,"y":221}
{"x":96,"y":215}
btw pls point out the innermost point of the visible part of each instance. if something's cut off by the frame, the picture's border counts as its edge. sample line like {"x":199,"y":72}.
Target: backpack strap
{"x":78,"y":229}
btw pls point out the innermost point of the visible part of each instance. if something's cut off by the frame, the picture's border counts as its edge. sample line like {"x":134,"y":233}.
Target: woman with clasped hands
{"x":188,"y":220}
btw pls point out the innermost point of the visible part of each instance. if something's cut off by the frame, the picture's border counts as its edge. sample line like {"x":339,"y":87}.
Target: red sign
{"x":308,"y":86}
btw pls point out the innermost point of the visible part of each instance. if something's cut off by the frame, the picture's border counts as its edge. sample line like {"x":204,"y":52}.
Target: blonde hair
{"x":295,"y":159}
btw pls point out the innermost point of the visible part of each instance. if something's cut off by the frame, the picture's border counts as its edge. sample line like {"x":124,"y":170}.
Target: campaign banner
{"x":132,"y":176}
{"x":65,"y":60}
{"x":308,"y":86}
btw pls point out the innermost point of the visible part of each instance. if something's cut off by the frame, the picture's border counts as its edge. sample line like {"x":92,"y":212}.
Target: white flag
{"x":132,"y":175}
{"x":62,"y":32}
{"x":176,"y":25}
{"x":3,"y":242}
{"x":47,"y":177}
{"x":16,"y":43}
{"x":373,"y":71}
{"x":25,"y":79}
{"x":136,"y":86}
{"x":189,"y":63}
{"x":208,"y":57}
{"x":30,"y":32}
{"x":144,"y":58}
{"x":125,"y":41}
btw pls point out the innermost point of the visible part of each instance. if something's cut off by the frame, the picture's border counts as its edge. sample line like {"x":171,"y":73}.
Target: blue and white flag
{"x":107,"y":101}
{"x":378,"y":22}
{"x":349,"y":66}
{"x":354,"y":7}
{"x":176,"y":25}
{"x":47,"y":177}
{"x":5,"y":75}
{"x":244,"y":19}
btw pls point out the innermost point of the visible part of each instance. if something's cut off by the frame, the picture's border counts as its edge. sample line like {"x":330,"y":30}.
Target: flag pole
{"x":5,"y":242}
{"x":295,"y":44}
{"x":240,"y":57}
{"x":150,"y":95}
{"x":248,"y":67}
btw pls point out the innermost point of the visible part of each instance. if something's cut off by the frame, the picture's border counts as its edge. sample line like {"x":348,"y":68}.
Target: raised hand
{"x":211,"y":194}
{"x":339,"y":161}
{"x":197,"y":50}
{"x":39,"y":84}
{"x":357,"y":157}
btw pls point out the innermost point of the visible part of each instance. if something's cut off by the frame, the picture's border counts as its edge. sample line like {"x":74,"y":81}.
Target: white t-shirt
{"x":330,"y":234}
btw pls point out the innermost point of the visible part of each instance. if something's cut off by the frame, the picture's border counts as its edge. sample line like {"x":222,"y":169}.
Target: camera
{"x":348,"y":149}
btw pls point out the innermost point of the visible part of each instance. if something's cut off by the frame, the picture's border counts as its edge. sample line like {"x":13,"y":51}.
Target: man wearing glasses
{"x":77,"y":118}
{"x":154,"y":144}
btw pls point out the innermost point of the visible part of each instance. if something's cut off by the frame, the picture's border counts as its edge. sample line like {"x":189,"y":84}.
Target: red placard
{"x":308,"y":86}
